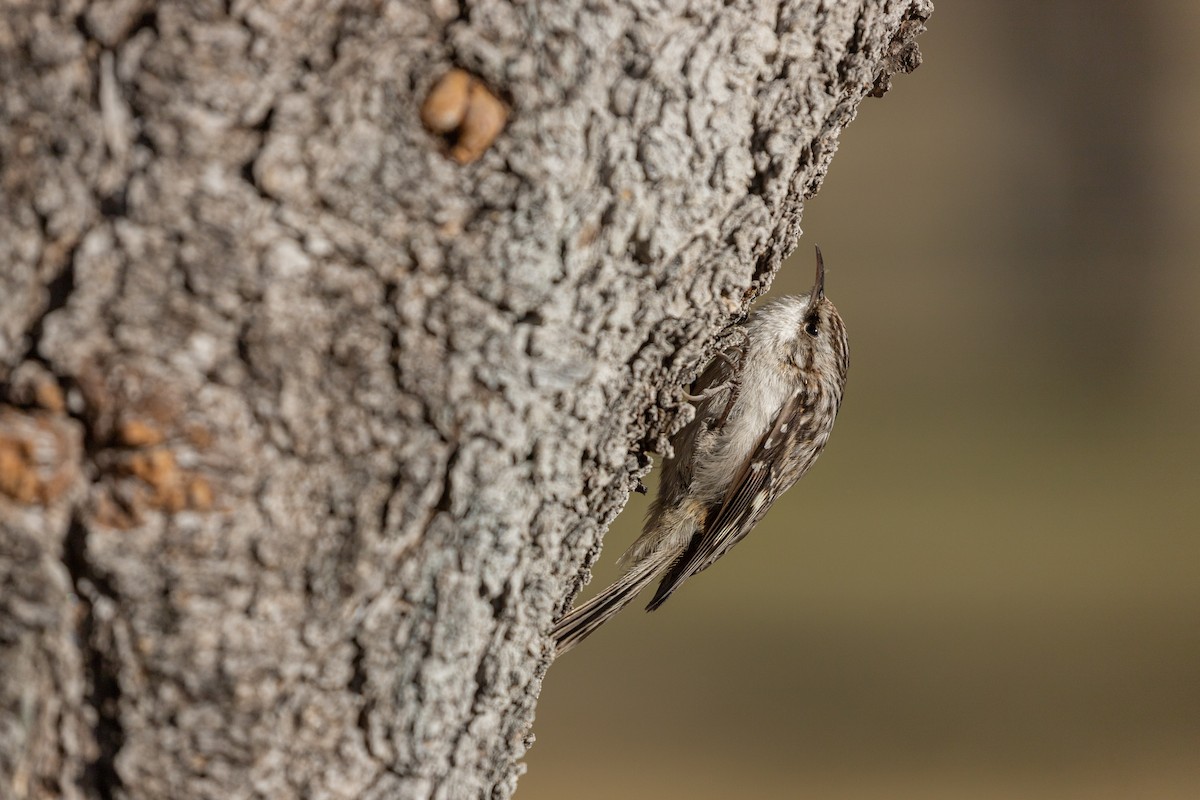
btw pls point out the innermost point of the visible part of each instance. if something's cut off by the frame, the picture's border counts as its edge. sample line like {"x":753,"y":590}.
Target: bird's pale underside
{"x":765,"y":409}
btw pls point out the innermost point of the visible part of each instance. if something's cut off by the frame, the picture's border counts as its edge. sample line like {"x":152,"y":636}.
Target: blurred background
{"x":995,"y":592}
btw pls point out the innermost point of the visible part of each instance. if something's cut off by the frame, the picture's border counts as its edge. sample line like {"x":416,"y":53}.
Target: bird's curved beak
{"x":818,"y":291}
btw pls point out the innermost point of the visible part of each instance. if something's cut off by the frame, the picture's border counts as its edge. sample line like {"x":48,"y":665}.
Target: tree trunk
{"x":321,"y":377}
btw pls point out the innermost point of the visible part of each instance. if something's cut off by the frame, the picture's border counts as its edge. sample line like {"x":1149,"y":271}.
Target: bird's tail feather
{"x":582,"y":621}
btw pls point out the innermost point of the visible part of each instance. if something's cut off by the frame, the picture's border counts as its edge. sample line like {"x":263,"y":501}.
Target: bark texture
{"x":311,"y":420}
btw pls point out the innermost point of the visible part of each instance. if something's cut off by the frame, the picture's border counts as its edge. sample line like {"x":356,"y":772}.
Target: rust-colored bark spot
{"x":49,"y":395}
{"x":39,"y":457}
{"x":140,"y":430}
{"x":171,"y":498}
{"x":141,"y":424}
{"x":170,"y":487}
{"x":17,"y":479}
{"x":139,"y":433}
{"x":155,"y":467}
{"x":161,"y":484}
{"x":31,"y":385}
{"x":462,"y":110}
{"x":446,"y":104}
{"x":200,"y":494}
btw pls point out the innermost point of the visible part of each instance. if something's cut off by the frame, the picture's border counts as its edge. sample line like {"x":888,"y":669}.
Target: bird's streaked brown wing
{"x":747,"y":500}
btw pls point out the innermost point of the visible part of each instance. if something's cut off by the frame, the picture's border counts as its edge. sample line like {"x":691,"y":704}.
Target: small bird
{"x":762,"y":418}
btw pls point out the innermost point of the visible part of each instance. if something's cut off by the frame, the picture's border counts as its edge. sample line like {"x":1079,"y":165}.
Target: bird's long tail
{"x":580,"y":622}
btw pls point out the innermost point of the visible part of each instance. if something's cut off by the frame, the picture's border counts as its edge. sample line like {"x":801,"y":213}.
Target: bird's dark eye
{"x":810,"y":328}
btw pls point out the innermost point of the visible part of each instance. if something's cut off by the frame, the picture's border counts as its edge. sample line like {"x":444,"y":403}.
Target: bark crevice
{"x":102,"y":673}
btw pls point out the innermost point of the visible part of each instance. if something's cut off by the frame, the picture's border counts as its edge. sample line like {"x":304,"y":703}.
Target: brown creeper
{"x":761,"y":421}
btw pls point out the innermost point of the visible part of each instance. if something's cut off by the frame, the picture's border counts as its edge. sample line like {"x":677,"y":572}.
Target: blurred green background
{"x":989,"y":585}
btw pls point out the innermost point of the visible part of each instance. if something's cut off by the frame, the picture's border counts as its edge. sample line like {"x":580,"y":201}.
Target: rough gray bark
{"x":312,"y":420}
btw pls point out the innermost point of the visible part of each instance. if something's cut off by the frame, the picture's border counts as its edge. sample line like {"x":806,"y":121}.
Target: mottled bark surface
{"x":311,"y":420}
